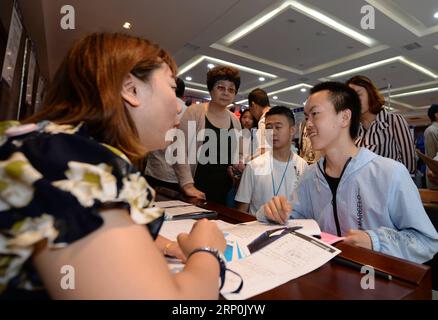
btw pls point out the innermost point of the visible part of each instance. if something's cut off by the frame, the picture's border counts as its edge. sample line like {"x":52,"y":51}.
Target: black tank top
{"x":212,"y":178}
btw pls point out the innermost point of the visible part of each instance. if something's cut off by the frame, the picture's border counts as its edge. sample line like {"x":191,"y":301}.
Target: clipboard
{"x":268,"y":237}
{"x":431,"y":164}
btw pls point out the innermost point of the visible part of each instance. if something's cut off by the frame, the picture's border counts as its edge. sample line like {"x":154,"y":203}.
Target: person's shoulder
{"x":195,"y":109}
{"x":395,"y":117}
{"x":300,"y":161}
{"x":310,"y":173}
{"x":432,"y":128}
{"x":386,"y":166}
{"x":16,"y":133}
{"x":52,"y":146}
{"x":260,"y":160}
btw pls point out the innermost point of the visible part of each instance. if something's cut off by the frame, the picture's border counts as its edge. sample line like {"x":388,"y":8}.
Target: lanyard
{"x":282,"y":177}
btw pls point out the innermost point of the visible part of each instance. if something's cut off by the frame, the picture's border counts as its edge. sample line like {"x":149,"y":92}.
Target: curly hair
{"x":223,"y":73}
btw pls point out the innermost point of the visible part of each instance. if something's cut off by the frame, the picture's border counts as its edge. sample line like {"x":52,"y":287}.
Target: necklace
{"x":282,"y":177}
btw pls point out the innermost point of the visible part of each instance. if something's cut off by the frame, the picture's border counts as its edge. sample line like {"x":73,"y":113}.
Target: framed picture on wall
{"x":12,"y":47}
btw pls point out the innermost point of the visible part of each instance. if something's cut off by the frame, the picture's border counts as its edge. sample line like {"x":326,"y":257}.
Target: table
{"x":336,"y":282}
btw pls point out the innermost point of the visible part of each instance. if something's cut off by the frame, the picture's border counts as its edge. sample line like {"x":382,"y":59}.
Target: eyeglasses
{"x":223,"y":88}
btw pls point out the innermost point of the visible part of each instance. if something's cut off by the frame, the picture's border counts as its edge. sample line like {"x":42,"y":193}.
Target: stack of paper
{"x":177,"y":210}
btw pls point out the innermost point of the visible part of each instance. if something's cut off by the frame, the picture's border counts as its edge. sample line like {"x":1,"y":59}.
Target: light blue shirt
{"x":375,"y":194}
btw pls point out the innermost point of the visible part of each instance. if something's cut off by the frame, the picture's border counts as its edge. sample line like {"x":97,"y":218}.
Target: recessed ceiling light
{"x":262,"y":79}
{"x":308,"y":11}
{"x":127,"y":25}
{"x":275,"y":97}
{"x":413,"y":93}
{"x":294,"y":87}
{"x":195,"y":61}
{"x":436,"y":15}
{"x":198,"y":90}
{"x":385,"y":62}
{"x":189,"y":78}
{"x":210,"y":66}
{"x":303,"y":90}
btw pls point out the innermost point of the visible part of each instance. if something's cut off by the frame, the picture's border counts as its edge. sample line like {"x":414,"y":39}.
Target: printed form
{"x":285,"y":259}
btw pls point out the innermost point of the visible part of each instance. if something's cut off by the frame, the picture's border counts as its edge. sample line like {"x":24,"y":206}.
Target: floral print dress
{"x":54,"y":181}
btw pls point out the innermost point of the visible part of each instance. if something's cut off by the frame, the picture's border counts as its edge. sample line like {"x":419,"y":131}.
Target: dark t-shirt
{"x":212,"y":178}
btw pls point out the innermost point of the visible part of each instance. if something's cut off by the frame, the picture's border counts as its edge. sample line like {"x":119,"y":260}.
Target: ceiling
{"x":284,"y":47}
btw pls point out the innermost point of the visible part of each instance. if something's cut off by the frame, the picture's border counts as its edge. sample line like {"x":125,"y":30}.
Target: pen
{"x":358,"y":266}
{"x":270,"y":233}
{"x":192,"y":215}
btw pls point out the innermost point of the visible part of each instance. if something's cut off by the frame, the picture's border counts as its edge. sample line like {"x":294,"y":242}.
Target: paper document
{"x":330,"y":238}
{"x":252,"y":230}
{"x":235,"y":249}
{"x":176,"y":210}
{"x":287,"y":258}
{"x":171,"y":203}
{"x":431,"y":164}
{"x":171,"y":229}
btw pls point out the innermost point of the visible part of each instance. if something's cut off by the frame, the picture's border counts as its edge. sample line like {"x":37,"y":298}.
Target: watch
{"x":220,"y":258}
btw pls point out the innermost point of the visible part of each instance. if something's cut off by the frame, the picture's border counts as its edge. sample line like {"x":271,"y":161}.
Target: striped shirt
{"x":389,"y":136}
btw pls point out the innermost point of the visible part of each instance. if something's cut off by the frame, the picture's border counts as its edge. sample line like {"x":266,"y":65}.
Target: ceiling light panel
{"x":198,"y":66}
{"x":418,"y":98}
{"x":284,"y":21}
{"x":409,"y":14}
{"x":399,"y":71}
{"x":307,"y":10}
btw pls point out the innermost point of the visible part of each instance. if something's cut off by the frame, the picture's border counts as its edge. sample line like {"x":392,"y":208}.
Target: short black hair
{"x":342,"y":97}
{"x":180,"y":87}
{"x":259,"y":97}
{"x":285,"y":111}
{"x":431,"y":112}
{"x":219,"y":73}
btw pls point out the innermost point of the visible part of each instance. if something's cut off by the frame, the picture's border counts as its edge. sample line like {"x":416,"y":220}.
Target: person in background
{"x":306,"y":151}
{"x":275,"y":172}
{"x":71,"y":196}
{"x":351,"y":191}
{"x":384,"y":133}
{"x":258,"y":102}
{"x":248,"y":124}
{"x":158,"y":172}
{"x":247,"y":121}
{"x":431,"y":143}
{"x":208,"y":177}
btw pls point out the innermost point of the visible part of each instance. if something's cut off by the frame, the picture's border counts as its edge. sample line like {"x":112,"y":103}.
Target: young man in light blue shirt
{"x":352,"y":192}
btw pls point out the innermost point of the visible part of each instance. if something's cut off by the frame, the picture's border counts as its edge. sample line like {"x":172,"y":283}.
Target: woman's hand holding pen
{"x":359,"y":238}
{"x":278,"y":209}
{"x":204,"y":233}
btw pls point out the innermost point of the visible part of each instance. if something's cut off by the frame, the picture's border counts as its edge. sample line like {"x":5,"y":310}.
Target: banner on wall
{"x":12,"y":47}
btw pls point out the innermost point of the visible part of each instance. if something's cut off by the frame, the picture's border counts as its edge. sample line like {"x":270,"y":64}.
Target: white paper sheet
{"x":251,"y":230}
{"x":173,"y":211}
{"x":287,"y":258}
{"x":171,"y":203}
{"x":171,"y":229}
